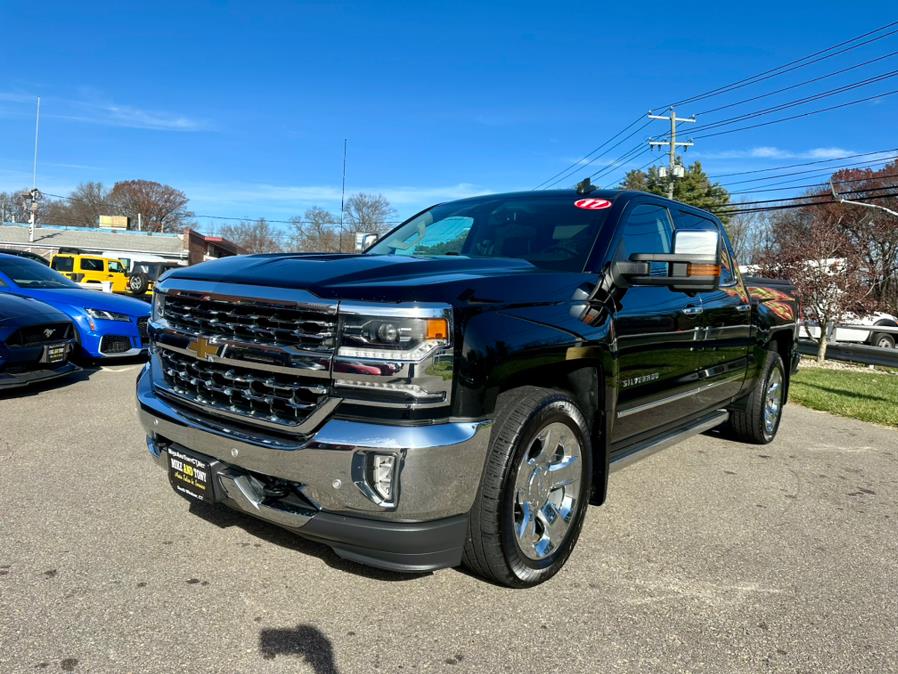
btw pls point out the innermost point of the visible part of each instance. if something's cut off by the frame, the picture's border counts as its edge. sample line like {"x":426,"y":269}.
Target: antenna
{"x":343,"y":193}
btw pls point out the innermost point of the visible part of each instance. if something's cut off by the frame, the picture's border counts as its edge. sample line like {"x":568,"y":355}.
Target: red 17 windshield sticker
{"x":592,"y":204}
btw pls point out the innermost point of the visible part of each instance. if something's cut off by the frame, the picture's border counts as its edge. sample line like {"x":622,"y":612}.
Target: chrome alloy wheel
{"x":773,"y":401}
{"x":547,"y":491}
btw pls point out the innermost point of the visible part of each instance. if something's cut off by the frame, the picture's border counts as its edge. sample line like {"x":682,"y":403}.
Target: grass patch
{"x":868,"y":395}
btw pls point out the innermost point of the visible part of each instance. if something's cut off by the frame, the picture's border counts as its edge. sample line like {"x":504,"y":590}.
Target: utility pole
{"x":674,"y":170}
{"x":34,"y":195}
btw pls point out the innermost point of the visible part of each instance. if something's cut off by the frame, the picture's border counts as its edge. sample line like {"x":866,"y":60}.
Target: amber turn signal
{"x":437,"y":328}
{"x":703,"y":270}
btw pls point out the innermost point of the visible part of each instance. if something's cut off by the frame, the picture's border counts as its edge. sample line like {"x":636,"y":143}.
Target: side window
{"x":646,"y":229}
{"x":89,"y":264}
{"x":691,"y":221}
{"x":115,"y":267}
{"x":727,"y":262}
{"x":62,"y":263}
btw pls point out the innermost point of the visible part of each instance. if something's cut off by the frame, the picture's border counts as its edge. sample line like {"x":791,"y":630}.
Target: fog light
{"x":382,"y":469}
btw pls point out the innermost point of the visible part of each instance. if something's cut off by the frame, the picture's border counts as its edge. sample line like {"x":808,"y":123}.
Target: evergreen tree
{"x":695,"y":188}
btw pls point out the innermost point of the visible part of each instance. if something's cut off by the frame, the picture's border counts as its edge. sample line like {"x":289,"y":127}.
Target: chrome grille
{"x":251,"y":321}
{"x":256,"y":394}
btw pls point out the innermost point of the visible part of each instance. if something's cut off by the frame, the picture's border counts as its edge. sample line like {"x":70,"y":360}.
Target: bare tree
{"x":87,"y":203}
{"x":15,"y":207}
{"x":828,"y":271}
{"x":254,"y":236}
{"x":369,"y":213}
{"x":161,"y":207}
{"x":749,"y":233}
{"x":316,"y":231}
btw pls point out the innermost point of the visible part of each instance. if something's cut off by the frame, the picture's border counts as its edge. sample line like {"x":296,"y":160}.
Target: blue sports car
{"x":106,"y":325}
{"x":35,"y":342}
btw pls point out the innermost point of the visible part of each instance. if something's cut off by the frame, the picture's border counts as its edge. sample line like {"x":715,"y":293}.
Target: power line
{"x":799,"y":101}
{"x":791,"y":65}
{"x":740,"y":204}
{"x":804,"y":61}
{"x":803,"y":205}
{"x":808,"y":163}
{"x":884,"y":160}
{"x":803,"y":114}
{"x":579,"y":166}
{"x":799,"y":84}
{"x":629,"y":155}
{"x":580,"y":161}
{"x":765,"y":190}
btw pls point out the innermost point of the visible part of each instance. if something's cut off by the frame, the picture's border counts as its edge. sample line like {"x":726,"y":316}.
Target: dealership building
{"x":188,"y":247}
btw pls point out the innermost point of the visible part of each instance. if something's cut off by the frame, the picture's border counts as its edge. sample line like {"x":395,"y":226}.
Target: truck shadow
{"x":224,"y":517}
{"x":303,"y":640}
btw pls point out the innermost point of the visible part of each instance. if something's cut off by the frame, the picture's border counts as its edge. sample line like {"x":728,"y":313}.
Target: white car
{"x":858,"y":335}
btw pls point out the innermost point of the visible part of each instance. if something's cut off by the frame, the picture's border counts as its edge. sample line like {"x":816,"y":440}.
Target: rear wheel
{"x":532,"y":499}
{"x":759,"y":420}
{"x":884,"y":340}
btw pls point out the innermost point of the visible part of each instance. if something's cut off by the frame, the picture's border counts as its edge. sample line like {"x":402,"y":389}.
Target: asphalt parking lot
{"x":709,"y":557}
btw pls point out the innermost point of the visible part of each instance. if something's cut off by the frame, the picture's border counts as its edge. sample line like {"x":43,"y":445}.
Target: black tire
{"x":748,"y":423}
{"x":491,"y":549}
{"x":885,"y":340}
{"x":138,"y":284}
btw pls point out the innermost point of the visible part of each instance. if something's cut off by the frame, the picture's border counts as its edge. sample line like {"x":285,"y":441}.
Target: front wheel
{"x":532,"y":499}
{"x":759,"y":419}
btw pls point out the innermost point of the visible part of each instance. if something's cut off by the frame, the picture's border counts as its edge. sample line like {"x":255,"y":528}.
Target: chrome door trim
{"x":636,"y":409}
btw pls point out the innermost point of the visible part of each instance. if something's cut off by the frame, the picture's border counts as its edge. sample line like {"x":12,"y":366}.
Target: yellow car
{"x":92,"y":269}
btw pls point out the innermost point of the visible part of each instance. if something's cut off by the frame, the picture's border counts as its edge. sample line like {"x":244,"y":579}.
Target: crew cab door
{"x":726,"y":321}
{"x":656,"y":331}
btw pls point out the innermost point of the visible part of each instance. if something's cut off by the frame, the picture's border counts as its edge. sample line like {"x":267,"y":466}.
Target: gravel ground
{"x":709,"y":557}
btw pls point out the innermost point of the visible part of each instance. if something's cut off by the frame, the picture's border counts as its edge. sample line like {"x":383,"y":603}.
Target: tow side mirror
{"x":694,"y":265}
{"x":364,"y":241}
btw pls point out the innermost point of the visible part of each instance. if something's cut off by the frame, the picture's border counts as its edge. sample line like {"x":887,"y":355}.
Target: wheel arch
{"x":586,"y":383}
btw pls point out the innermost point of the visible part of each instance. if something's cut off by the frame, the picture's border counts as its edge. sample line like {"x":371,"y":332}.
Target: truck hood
{"x":393,"y":278}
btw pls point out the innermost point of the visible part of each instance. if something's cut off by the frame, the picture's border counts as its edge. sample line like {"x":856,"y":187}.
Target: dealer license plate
{"x":190,"y":476}
{"x":55,"y":353}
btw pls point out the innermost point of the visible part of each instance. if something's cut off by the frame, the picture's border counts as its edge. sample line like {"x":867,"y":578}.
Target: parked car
{"x":858,"y":335}
{"x":92,"y":270}
{"x":460,"y":392}
{"x":26,"y":254}
{"x":144,"y":275}
{"x":106,"y":326}
{"x":36,"y":341}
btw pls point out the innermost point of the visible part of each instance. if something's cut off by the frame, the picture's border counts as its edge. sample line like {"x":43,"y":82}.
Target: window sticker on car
{"x":592,"y":204}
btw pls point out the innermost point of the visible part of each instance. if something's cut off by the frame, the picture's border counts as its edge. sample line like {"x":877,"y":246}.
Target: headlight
{"x":103,"y":315}
{"x":397,"y":356}
{"x":391,"y":337}
{"x":158,"y":302}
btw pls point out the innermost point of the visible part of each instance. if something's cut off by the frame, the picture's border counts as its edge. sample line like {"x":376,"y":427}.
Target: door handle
{"x":692,"y":311}
{"x":743,"y":307}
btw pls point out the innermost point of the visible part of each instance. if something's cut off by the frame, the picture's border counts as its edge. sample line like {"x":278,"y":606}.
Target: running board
{"x":649,"y":447}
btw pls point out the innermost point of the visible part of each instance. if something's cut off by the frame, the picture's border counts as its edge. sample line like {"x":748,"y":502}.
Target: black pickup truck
{"x":461,"y":391}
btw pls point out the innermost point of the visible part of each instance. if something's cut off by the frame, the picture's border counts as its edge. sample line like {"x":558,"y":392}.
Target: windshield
{"x":28,"y":274}
{"x":547,"y":231}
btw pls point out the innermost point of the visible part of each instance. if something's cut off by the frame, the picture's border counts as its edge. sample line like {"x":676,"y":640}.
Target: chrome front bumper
{"x":439,"y":472}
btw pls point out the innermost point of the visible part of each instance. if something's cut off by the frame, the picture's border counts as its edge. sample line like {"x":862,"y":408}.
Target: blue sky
{"x":245,"y":106}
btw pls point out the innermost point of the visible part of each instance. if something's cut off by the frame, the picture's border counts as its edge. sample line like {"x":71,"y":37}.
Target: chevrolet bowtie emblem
{"x":203,"y":348}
